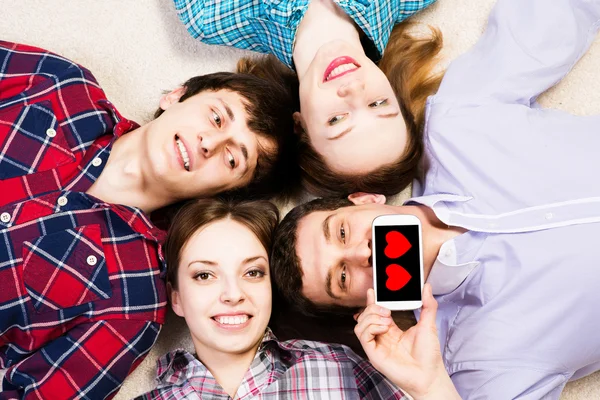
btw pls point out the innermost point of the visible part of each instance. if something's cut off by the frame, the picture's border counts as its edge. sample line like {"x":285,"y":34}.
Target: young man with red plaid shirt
{"x":82,"y":296}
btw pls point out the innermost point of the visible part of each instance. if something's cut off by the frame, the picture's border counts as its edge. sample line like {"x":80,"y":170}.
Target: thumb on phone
{"x":370,"y":297}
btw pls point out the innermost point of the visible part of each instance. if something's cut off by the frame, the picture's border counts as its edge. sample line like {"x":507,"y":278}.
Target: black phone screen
{"x":397,"y":270}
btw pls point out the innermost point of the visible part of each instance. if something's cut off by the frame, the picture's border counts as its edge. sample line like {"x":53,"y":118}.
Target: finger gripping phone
{"x":397,"y":261}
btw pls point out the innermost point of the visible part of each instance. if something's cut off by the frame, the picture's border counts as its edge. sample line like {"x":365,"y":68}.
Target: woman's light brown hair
{"x":259,"y":216}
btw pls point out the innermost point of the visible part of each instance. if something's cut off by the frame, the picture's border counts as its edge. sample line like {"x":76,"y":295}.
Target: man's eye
{"x":231,"y":160}
{"x":334,"y":120}
{"x":216,"y":118}
{"x":343,"y":276}
{"x":343,"y":234}
{"x":378,"y":103}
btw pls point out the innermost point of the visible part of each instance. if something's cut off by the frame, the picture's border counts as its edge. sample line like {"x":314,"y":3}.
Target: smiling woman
{"x":362,"y":87}
{"x":219,"y":281}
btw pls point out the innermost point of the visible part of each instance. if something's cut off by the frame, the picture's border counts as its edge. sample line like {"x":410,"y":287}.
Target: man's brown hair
{"x":260,"y":216}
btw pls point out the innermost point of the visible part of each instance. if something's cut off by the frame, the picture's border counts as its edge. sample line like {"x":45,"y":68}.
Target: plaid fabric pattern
{"x":294,"y":369}
{"x":269,"y":26}
{"x":81,"y":294}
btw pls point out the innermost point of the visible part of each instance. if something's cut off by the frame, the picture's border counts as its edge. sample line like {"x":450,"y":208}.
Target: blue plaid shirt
{"x":269,"y":26}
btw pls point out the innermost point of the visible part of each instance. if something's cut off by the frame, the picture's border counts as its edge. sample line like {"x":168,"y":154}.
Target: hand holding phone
{"x":397,"y":261}
{"x":411,"y":359}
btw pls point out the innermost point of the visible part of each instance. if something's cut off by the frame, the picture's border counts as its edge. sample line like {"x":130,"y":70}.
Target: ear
{"x":298,"y":123}
{"x":366,"y":198}
{"x":171,"y":98}
{"x":175,"y":300}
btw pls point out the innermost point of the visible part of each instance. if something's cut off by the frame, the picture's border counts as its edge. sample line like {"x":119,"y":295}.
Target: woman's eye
{"x":343,"y":276}
{"x":335,"y":120}
{"x":216,"y":118}
{"x":378,"y":103}
{"x":203,"y":276}
{"x":343,"y":234}
{"x":256,"y":273}
{"x":231,"y":160}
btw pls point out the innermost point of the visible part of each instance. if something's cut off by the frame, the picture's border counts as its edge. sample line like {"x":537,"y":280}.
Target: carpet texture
{"x":138,"y":49}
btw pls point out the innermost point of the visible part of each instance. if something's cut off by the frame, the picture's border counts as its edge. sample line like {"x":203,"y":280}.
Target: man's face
{"x":202,"y":146}
{"x":334,"y":248}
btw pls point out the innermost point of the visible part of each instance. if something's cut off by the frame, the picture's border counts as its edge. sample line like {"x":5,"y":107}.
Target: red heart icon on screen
{"x":398,"y":277}
{"x":397,"y":244}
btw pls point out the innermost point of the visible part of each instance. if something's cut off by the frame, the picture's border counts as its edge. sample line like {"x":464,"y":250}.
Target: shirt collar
{"x":180,"y":363}
{"x":446,"y":274}
{"x":122,"y":124}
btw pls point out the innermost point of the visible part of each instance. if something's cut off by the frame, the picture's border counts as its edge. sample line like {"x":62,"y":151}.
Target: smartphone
{"x":397,"y":261}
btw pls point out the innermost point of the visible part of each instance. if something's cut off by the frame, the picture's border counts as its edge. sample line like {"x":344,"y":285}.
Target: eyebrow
{"x":211,"y":263}
{"x":336,"y":137}
{"x":328,"y":283}
{"x":343,"y":133}
{"x":325,"y":227}
{"x":390,"y":115}
{"x":215,"y":264}
{"x":228,"y":110}
{"x":252,"y":259}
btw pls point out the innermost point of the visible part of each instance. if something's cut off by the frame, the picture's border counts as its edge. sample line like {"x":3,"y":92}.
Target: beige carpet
{"x":136,"y":49}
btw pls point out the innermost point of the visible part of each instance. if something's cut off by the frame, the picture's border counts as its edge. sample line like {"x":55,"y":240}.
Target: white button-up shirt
{"x":519,"y":292}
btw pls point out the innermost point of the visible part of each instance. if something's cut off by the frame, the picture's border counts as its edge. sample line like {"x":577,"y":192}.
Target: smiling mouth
{"x":232,"y":322}
{"x":183,"y":152}
{"x":340,"y":67}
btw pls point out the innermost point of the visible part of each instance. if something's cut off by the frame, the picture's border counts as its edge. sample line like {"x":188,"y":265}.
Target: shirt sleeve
{"x":409,"y":7}
{"x":528,"y":46}
{"x":371,"y":384}
{"x":509,"y":383}
{"x":265,"y":27}
{"x":89,"y":361}
{"x":22,"y":66}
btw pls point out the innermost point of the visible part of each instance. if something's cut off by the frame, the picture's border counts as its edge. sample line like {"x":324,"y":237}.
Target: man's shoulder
{"x":23,"y":59}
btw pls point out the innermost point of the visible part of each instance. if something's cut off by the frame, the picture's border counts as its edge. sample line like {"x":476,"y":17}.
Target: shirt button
{"x":50,"y":132}
{"x":97,"y":161}
{"x":62,"y":201}
{"x":5,"y":217}
{"x":548,"y":216}
{"x":449,"y":253}
{"x":92,"y":260}
{"x":493,"y":225}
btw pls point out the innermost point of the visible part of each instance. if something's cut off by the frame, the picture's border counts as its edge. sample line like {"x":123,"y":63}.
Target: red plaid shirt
{"x":81,"y":294}
{"x":294,"y":369}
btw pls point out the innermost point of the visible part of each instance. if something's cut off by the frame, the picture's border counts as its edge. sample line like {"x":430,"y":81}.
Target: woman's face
{"x":224,"y":289}
{"x":349,"y":111}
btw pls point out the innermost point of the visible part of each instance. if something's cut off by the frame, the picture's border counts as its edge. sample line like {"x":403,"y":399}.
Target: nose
{"x":361,"y":254}
{"x":351,"y":88}
{"x":232,"y":293}
{"x":212,"y":142}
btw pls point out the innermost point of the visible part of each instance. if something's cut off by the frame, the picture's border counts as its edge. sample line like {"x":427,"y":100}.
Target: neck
{"x":228,"y":369}
{"x":122,"y":180}
{"x":435,"y":234}
{"x":323,"y":23}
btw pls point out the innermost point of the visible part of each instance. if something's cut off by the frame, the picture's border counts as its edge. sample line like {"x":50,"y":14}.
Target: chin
{"x":237,"y":347}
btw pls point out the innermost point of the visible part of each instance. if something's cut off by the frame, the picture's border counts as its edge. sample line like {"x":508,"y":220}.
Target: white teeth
{"x":184,"y":154}
{"x":340,"y":70}
{"x":237,"y":320}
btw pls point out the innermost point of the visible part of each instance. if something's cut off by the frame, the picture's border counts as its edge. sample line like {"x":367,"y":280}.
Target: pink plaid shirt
{"x":294,"y":369}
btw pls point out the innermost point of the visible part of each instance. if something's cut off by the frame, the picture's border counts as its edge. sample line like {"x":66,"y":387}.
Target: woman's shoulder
{"x":320,"y":350}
